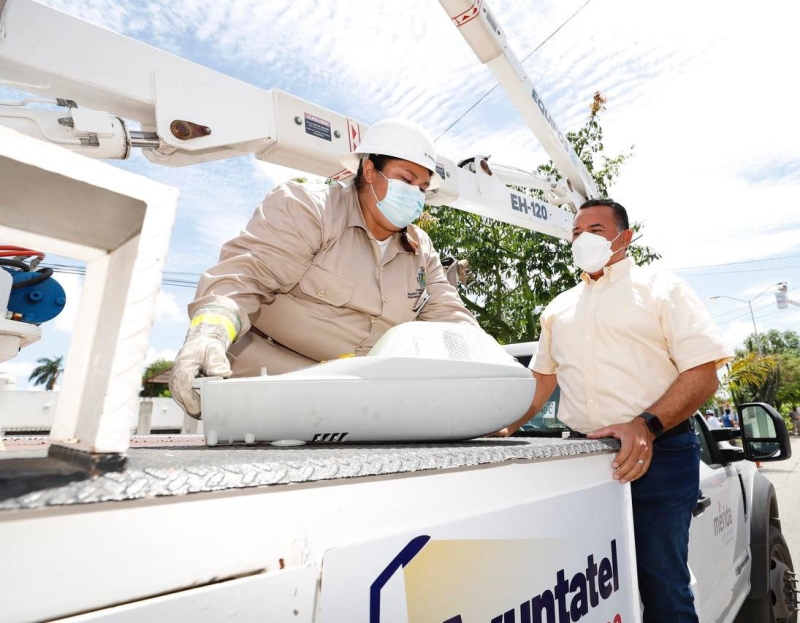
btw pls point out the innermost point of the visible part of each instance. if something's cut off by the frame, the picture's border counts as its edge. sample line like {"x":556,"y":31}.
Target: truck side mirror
{"x":764,"y":434}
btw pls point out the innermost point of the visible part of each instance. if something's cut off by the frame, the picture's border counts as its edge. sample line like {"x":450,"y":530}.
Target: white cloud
{"x":273,"y":174}
{"x":73,"y":286}
{"x":168,"y":310}
{"x":737,"y":331}
{"x":19,"y":370}
{"x":154,"y":355}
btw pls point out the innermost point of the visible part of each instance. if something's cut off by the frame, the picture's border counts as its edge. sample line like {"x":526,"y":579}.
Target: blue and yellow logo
{"x":421,"y":276}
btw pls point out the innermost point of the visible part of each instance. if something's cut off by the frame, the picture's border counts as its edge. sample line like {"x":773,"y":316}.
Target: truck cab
{"x":741,"y":565}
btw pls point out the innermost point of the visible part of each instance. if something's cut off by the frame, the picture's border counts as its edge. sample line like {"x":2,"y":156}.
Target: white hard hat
{"x":398,"y":138}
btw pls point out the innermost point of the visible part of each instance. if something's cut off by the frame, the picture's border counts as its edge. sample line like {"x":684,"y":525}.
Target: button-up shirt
{"x":617,"y":344}
{"x":307,"y":272}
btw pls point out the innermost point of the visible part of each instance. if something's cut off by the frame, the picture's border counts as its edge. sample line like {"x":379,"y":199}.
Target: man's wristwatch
{"x":654,"y":425}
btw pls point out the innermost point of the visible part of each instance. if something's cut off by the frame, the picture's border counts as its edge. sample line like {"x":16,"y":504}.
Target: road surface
{"x":785,"y":476}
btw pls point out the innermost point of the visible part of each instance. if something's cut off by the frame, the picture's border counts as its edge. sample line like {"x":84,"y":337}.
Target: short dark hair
{"x":620,"y":213}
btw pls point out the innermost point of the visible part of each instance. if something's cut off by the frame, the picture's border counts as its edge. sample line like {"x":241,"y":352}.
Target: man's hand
{"x":503,"y":432}
{"x":633,"y":459}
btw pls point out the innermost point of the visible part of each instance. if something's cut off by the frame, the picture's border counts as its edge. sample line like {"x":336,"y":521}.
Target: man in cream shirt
{"x":635,"y":353}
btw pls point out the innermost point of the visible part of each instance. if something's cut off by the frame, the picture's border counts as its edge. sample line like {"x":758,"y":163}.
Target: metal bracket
{"x":92,"y":463}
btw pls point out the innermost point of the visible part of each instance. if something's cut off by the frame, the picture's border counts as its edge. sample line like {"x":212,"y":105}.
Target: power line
{"x":760,"y":307}
{"x":167,"y":279}
{"x":769,"y":259}
{"x":737,"y":272}
{"x":485,"y":95}
{"x":738,"y":310}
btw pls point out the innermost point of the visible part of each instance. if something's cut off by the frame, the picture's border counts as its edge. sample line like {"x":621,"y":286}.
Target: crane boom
{"x":191,"y":114}
{"x":481,"y":29}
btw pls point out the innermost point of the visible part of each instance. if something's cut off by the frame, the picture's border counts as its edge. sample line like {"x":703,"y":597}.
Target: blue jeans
{"x":663,"y":500}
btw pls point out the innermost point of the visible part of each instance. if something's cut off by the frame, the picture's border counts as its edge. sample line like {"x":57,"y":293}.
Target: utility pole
{"x":752,"y":315}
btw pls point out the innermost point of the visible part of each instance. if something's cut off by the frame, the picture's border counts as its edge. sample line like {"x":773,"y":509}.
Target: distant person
{"x":712,"y":420}
{"x":635,"y":353}
{"x":794,"y":414}
{"x":726,"y":418}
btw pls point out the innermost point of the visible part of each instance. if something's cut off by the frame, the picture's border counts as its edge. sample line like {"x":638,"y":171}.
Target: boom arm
{"x":478,"y":25}
{"x":191,"y":114}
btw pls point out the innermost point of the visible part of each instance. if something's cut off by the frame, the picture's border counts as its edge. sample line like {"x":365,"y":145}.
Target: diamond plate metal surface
{"x":172,"y":471}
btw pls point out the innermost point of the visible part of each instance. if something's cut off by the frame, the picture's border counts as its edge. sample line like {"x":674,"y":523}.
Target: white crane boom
{"x":191,"y":114}
{"x":481,"y":29}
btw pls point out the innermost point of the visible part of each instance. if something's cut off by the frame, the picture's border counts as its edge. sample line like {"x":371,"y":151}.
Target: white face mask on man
{"x":591,"y":252}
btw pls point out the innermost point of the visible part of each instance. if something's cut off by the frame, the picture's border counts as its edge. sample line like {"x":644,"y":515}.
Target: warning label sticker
{"x":318,"y":127}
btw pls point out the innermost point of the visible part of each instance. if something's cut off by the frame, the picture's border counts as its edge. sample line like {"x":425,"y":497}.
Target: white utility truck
{"x":446,"y":529}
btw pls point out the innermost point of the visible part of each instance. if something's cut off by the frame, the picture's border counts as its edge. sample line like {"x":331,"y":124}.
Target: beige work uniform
{"x":309,"y":276}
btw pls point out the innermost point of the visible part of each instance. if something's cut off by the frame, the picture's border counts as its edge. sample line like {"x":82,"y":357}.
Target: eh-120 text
{"x":520,"y":203}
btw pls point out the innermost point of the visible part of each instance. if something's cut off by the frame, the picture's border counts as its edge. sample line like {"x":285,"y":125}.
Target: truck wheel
{"x":779,"y":605}
{"x":782,"y":582}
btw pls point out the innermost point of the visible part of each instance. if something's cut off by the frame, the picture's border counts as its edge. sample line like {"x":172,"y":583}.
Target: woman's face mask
{"x":591,"y":252}
{"x":402,"y":204}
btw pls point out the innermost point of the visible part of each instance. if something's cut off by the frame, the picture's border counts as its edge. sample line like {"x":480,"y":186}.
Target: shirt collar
{"x":612,"y":273}
{"x":354,"y":216}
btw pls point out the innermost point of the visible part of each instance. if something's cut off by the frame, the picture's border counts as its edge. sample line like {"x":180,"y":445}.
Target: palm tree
{"x":47,"y":372}
{"x":752,"y":377}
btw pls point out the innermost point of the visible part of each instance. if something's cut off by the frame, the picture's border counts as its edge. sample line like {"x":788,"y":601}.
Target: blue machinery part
{"x":35,"y":295}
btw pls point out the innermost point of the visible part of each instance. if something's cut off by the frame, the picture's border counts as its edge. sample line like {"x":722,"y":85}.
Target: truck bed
{"x":159,"y":467}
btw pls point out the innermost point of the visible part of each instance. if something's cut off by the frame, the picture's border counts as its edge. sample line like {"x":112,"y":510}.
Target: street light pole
{"x":752,"y":315}
{"x":755,"y":329}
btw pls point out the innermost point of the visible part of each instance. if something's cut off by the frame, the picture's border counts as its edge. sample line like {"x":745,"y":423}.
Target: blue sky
{"x":701,"y":90}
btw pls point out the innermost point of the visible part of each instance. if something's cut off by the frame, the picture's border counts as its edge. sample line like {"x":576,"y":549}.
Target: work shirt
{"x":311,"y":278}
{"x":617,"y":344}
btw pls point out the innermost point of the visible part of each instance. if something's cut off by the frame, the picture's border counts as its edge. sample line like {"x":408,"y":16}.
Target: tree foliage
{"x":155,"y":390}
{"x":773,"y":378}
{"x":516,"y":272}
{"x":751,"y":378}
{"x":773,"y":342}
{"x":47,"y":372}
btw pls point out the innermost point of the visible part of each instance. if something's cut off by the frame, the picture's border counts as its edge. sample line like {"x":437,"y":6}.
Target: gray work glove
{"x":210,"y":334}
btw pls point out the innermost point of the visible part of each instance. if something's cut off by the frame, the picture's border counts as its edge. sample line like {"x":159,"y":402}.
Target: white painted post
{"x":145,"y":417}
{"x":190,"y":425}
{"x":118,"y":222}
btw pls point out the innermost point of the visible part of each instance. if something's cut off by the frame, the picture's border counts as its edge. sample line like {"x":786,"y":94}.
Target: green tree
{"x":515,"y":272}
{"x":782,"y":351}
{"x":752,"y":378}
{"x":47,"y":372}
{"x":774,"y":342}
{"x":156,"y":390}
{"x":789,"y":391}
